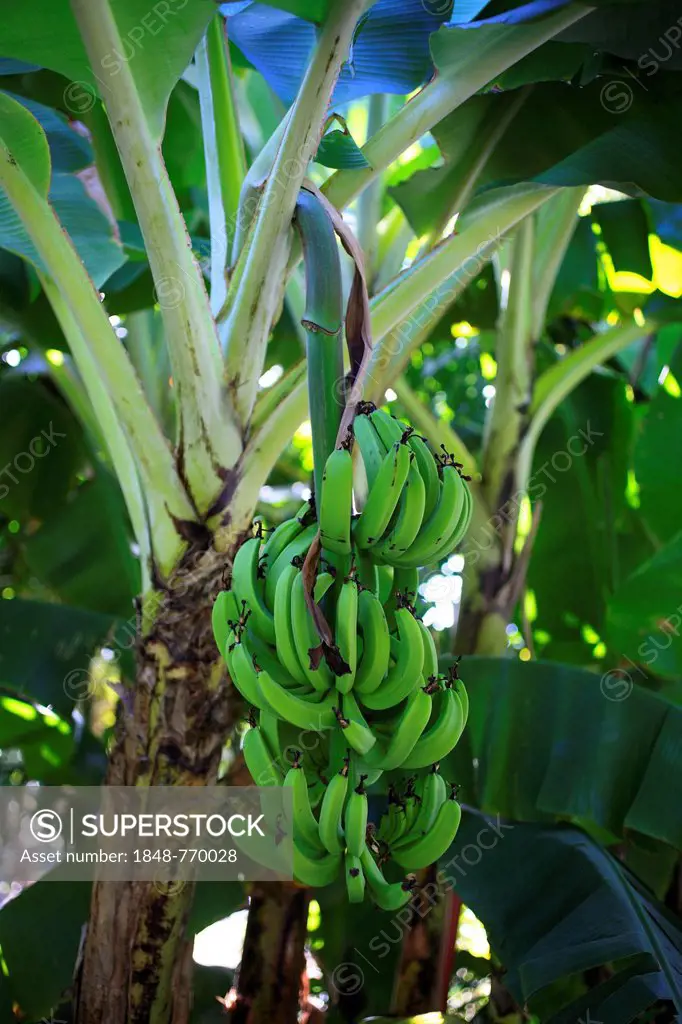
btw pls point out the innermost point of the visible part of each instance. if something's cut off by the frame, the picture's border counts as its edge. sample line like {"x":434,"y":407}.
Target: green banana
{"x":355,"y":819}
{"x":406,"y":732}
{"x":285,"y":533}
{"x":346,"y":632}
{"x":383,"y":496}
{"x":305,"y":823}
{"x":331,"y":811}
{"x":428,"y":469}
{"x":243,"y":672}
{"x":388,"y":427}
{"x":371,"y":448}
{"x":336,"y":502}
{"x":387,"y":895}
{"x":441,"y":737}
{"x":439,"y":526}
{"x":265,"y":657}
{"x":406,"y":582}
{"x":259,"y":760}
{"x":428,"y":848}
{"x":225,"y":610}
{"x":356,"y":732}
{"x":295,"y":709}
{"x":430,"y":669}
{"x":296,"y":548}
{"x":376,"y":650}
{"x":284,"y":633}
{"x":461,"y":527}
{"x":408,"y":519}
{"x":433,"y":796}
{"x":309,"y":870}
{"x":402,"y":678}
{"x":355,"y":879}
{"x":246,"y":583}
{"x":306,"y":637}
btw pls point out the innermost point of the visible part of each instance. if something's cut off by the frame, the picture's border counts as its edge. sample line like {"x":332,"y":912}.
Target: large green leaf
{"x":556,"y":904}
{"x":46,"y":649}
{"x":580,"y":475}
{"x":645,"y":613}
{"x":551,"y":741}
{"x":41,"y":450}
{"x":89,"y":228}
{"x":48,"y":916}
{"x":158,"y":43}
{"x":84,"y":552}
{"x":625,"y":232}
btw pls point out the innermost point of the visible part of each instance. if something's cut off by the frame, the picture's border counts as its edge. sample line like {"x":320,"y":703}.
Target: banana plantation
{"x":341,"y":390}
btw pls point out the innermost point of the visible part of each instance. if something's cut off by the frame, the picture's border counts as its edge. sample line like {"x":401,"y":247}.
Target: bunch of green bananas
{"x":418,"y":506}
{"x":328,"y":722}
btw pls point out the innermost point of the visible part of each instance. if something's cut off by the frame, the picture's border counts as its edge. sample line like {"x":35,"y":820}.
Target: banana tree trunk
{"x":170,"y":731}
{"x":270,"y":977}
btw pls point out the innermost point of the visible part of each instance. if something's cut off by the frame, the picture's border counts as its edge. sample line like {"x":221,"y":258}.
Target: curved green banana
{"x":295,"y":549}
{"x":406,"y":732}
{"x":441,"y":737}
{"x":356,"y":732}
{"x":383,"y":497}
{"x":388,"y":427}
{"x":372,"y":450}
{"x":433,"y":796}
{"x":387,"y":895}
{"x":247,"y":586}
{"x":461,"y":527}
{"x":346,"y":632}
{"x":295,"y":709}
{"x":331,"y":812}
{"x":402,"y":678}
{"x":268,"y":725}
{"x":306,"y":638}
{"x":428,"y":469}
{"x":376,"y":642}
{"x":440,"y":525}
{"x":305,"y":823}
{"x":323,"y":582}
{"x":430,"y":669}
{"x":427,"y":849}
{"x":259,"y":760}
{"x":283,"y":534}
{"x":243,"y":672}
{"x":460,"y":689}
{"x":225,"y":609}
{"x":284,"y":631}
{"x":355,"y":819}
{"x":265,"y":657}
{"x":408,"y":520}
{"x":355,"y":879}
{"x":313,"y":871}
{"x":336,"y":502}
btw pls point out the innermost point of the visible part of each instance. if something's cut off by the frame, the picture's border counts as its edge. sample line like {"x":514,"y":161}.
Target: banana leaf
{"x":547,"y":741}
{"x":555,"y":904}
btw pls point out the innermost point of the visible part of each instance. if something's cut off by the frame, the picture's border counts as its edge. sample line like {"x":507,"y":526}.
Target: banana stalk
{"x":322,"y":321}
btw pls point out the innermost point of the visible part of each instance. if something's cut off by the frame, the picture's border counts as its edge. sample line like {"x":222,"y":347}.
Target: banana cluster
{"x":330,"y":719}
{"x":418,"y":505}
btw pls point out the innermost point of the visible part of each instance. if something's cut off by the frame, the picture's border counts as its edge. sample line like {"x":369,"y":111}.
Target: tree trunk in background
{"x":270,"y":975}
{"x":171,"y":730}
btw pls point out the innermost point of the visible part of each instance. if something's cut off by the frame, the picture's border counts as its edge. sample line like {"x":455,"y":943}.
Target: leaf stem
{"x":207,"y":433}
{"x":513,"y":381}
{"x":560,"y":380}
{"x":96,"y":348}
{"x":224,"y":150}
{"x":322,"y":320}
{"x":263,"y":258}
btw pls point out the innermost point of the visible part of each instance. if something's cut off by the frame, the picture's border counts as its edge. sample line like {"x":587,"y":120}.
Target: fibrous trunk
{"x":170,"y":731}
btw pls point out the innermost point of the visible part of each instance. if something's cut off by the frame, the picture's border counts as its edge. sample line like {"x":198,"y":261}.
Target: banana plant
{"x":159,"y":351}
